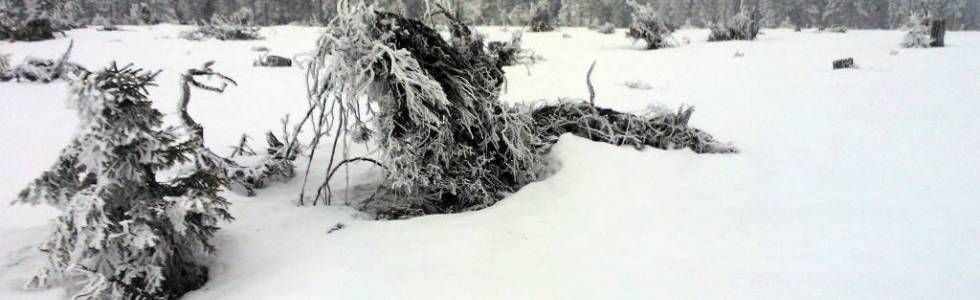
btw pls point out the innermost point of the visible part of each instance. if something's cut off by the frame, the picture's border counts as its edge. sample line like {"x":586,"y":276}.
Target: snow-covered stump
{"x":845,"y":63}
{"x":274,"y":61}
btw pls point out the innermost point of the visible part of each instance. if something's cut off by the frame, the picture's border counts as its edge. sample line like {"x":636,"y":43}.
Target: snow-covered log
{"x":270,"y":60}
{"x":845,"y":63}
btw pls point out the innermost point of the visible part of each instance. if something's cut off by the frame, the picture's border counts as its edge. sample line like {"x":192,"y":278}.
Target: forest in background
{"x":855,"y":14}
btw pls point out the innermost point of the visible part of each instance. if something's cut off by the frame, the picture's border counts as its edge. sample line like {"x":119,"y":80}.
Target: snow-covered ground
{"x":860,"y":184}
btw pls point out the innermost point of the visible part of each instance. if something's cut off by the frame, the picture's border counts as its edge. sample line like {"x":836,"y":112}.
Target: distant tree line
{"x":861,"y":14}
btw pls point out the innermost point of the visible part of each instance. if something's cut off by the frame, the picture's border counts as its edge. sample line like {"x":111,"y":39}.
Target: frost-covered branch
{"x":278,"y":164}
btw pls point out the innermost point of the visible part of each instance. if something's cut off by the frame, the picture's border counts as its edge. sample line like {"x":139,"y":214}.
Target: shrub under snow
{"x":225,"y":29}
{"x":918,"y":36}
{"x":32,"y":30}
{"x":744,"y":26}
{"x":606,"y":28}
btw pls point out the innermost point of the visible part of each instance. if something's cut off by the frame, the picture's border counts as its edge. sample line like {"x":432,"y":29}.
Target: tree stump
{"x":937,"y":31}
{"x":274,"y":61}
{"x":845,"y":63}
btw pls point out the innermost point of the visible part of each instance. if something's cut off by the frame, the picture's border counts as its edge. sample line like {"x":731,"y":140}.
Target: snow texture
{"x":851,"y":184}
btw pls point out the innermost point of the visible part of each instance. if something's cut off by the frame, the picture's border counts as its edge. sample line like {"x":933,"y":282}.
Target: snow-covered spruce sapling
{"x":541,"y":19}
{"x":124,"y":232}
{"x":918,"y":35}
{"x":649,"y":26}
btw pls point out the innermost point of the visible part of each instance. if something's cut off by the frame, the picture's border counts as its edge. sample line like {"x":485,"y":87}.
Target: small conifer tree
{"x":124,"y":232}
{"x":649,"y":26}
{"x":541,"y":20}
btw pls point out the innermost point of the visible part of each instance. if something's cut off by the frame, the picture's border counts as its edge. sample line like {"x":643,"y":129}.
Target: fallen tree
{"x":40,"y":70}
{"x":432,"y":114}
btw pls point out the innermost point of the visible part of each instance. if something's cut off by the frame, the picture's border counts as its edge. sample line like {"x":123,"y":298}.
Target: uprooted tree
{"x":432,"y":114}
{"x":39,"y":69}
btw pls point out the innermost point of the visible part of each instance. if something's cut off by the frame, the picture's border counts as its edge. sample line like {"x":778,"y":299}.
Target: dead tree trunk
{"x":937,"y":31}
